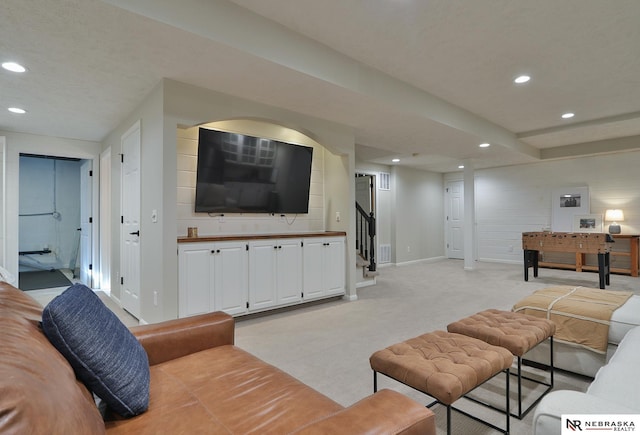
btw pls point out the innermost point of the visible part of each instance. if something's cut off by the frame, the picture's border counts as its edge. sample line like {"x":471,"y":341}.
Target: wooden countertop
{"x":231,"y":237}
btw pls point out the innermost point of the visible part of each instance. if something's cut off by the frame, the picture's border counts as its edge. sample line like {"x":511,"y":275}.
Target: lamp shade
{"x":614,"y":215}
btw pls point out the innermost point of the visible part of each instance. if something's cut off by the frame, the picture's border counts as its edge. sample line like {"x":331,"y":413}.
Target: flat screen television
{"x":238,"y":173}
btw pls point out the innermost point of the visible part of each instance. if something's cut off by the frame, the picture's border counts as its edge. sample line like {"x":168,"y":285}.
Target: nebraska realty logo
{"x":603,"y":423}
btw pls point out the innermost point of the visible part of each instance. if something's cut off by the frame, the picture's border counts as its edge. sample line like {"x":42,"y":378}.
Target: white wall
{"x":417,"y":227}
{"x":514,"y":199}
{"x":188,"y":106}
{"x":410,"y":214}
{"x":155,"y":274}
{"x":105,"y":220}
{"x":508,"y":200}
{"x":172,"y":105}
{"x":3,"y":197}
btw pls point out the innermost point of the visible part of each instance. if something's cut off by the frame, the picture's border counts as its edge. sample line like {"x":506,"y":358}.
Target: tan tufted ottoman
{"x":514,"y":331}
{"x":445,"y":366}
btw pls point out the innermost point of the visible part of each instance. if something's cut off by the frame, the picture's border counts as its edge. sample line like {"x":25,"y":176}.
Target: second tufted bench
{"x":515,"y":331}
{"x":445,"y":366}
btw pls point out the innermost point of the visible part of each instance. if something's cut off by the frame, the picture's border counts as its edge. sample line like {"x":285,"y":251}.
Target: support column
{"x":469,"y":217}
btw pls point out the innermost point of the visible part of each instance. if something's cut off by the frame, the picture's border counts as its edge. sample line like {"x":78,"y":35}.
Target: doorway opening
{"x":50,"y":244}
{"x":366,"y":223}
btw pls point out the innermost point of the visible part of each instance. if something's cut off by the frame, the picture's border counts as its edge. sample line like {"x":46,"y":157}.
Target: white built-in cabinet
{"x":215,"y":277}
{"x":250,"y":275}
{"x":323,"y":267}
{"x":275,"y":272}
{"x":230,"y":283}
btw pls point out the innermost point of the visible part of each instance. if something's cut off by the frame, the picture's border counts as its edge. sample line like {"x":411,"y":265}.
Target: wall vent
{"x":385,"y":181}
{"x":384,"y":255}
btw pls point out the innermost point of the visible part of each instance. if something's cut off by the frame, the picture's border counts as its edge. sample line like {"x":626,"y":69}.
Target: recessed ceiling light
{"x":16,"y":110}
{"x":460,"y":166}
{"x":395,"y":160}
{"x":484,"y":145}
{"x":568,"y":115}
{"x":14,"y":67}
{"x":521,"y":79}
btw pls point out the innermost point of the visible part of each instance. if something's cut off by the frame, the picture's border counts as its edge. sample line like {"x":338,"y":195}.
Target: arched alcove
{"x":238,"y":223}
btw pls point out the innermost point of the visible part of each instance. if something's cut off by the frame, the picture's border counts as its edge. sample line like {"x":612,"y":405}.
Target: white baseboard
{"x":436,"y":259}
{"x":366,"y":283}
{"x":423,"y":260}
{"x":350,"y":298}
{"x":115,"y":299}
{"x":501,"y":261}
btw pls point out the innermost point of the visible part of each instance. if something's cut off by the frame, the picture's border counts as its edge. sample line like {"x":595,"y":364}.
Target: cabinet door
{"x":231,"y":289}
{"x":313,"y":271}
{"x":195,"y":279}
{"x":262,"y":274}
{"x":289,"y":271}
{"x":334,"y":270}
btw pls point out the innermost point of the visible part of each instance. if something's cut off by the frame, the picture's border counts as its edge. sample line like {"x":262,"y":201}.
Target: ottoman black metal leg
{"x":507,"y":406}
{"x":506,"y":411}
{"x":375,"y":381}
{"x":604,"y":267}
{"x":521,"y":414}
{"x":530,"y":260}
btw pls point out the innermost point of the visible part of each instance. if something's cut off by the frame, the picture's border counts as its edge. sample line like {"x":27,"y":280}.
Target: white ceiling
{"x":423,"y":80}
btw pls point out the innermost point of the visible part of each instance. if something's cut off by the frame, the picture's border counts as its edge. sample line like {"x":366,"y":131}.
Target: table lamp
{"x":614,"y":216}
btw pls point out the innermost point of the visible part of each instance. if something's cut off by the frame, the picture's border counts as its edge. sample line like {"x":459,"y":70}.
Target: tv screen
{"x":245,"y":174}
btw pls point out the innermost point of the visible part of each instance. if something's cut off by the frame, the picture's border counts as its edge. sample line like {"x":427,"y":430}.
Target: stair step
{"x":361,"y":262}
{"x":371,"y":274}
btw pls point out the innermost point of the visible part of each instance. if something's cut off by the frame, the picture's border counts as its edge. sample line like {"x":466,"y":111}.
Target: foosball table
{"x":580,"y":243}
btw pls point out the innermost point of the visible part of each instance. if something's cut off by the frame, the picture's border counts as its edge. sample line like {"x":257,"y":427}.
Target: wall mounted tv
{"x":245,"y":174}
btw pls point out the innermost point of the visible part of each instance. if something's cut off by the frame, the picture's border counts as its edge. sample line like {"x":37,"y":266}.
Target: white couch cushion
{"x":628,"y":350}
{"x":617,"y":383}
{"x":624,"y":319}
{"x":546,"y":420}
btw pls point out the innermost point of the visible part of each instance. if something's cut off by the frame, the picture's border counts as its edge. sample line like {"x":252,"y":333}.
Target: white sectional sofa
{"x":615,"y":390}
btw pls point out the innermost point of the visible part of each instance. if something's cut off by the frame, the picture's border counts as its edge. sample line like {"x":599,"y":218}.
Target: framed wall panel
{"x":566,"y":203}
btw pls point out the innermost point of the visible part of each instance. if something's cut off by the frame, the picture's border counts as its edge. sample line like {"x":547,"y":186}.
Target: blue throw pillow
{"x":104,"y":354}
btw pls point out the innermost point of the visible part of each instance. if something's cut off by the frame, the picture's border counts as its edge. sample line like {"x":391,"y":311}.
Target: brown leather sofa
{"x":200,"y":383}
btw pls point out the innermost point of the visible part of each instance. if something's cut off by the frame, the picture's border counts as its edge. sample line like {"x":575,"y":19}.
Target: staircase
{"x":365,"y":242}
{"x":363,"y":263}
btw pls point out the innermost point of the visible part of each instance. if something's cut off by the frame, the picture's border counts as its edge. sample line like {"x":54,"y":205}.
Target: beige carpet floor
{"x":327,"y":346}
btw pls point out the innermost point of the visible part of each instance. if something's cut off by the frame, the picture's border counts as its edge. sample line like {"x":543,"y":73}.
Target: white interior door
{"x":86,"y":263}
{"x":130,"y":228}
{"x":455,"y":219}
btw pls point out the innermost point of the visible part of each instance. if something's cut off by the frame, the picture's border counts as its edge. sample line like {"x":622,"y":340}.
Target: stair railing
{"x":365,"y":235}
